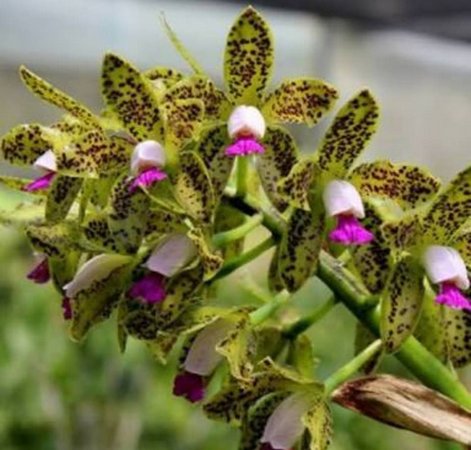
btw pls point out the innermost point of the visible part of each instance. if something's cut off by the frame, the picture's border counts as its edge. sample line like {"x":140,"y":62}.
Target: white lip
{"x":246,"y":120}
{"x":147,"y":154}
{"x":445,"y":264}
{"x":341,"y":197}
{"x":47,"y":162}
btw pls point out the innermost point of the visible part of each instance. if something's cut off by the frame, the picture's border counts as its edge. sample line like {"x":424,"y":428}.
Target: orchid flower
{"x":201,"y":361}
{"x":147,"y":163}
{"x":40,"y":273}
{"x":172,"y":254}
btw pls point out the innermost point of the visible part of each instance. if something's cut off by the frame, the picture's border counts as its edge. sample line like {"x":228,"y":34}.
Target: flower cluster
{"x":140,"y":209}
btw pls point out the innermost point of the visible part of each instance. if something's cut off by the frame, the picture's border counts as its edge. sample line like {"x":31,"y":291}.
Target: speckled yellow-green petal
{"x":97,"y":234}
{"x":403,"y":233}
{"x":53,"y":240}
{"x":254,"y":424}
{"x":236,"y":348}
{"x":162,"y":345}
{"x":462,"y":242}
{"x":227,"y":218}
{"x":435,"y":328}
{"x":410,"y":186}
{"x":24,"y":214}
{"x":216,"y":105}
{"x":280,"y":155}
{"x":211,"y":146}
{"x":348,"y":135}
{"x":17,"y":184}
{"x":63,"y":269}
{"x":450,"y":210}
{"x":23,"y":144}
{"x":130,"y":96}
{"x":96,"y":303}
{"x":401,"y":303}
{"x":127,"y":215}
{"x":457,"y":327}
{"x":163,"y":78}
{"x":363,"y":338}
{"x":193,"y":188}
{"x":372,"y":261}
{"x":248,"y":58}
{"x":301,"y":355}
{"x":61,"y":196}
{"x":45,"y":91}
{"x":183,"y":122}
{"x":300,"y":247}
{"x":294,"y":189}
{"x":299,"y":100}
{"x":210,"y":260}
{"x":275,"y":282}
{"x":318,"y":421}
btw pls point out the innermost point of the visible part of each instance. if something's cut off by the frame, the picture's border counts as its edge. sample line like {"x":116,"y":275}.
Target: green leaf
{"x":45,"y":91}
{"x":96,"y":303}
{"x":295,"y":188}
{"x":318,"y":421}
{"x":210,"y":260}
{"x":61,"y":195}
{"x":24,"y":144}
{"x":211,"y":148}
{"x":300,"y":247}
{"x":299,"y":100}
{"x":193,"y":188}
{"x":347,"y":137}
{"x":127,"y":216}
{"x":183,"y":122}
{"x":130,"y":95}
{"x":276,"y":162}
{"x":450,"y":210}
{"x":372,"y":261}
{"x":248,"y":58}
{"x":401,"y":303}
{"x":216,"y":105}
{"x":180,"y":48}
{"x":410,"y":186}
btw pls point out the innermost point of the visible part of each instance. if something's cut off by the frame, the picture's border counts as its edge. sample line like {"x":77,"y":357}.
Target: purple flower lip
{"x":40,"y":273}
{"x":190,"y":386}
{"x":147,"y":178}
{"x":451,"y":296}
{"x":243,"y":146}
{"x":349,"y":231}
{"x":150,"y":288}
{"x":40,"y":183}
{"x":67,"y":308}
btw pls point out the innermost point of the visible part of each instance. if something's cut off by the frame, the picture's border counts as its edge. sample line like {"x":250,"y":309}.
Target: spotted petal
{"x":248,"y":58}
{"x":61,"y":195}
{"x":318,"y":421}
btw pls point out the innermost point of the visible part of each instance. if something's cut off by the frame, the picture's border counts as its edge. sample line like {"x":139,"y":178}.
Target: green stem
{"x":303,"y":324}
{"x":243,"y":259}
{"x":224,"y":238}
{"x":242,"y":175}
{"x":352,"y":367}
{"x":357,"y":299}
{"x":266,"y":311}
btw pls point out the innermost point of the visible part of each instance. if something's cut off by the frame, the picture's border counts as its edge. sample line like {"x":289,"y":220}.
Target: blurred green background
{"x":59,"y":395}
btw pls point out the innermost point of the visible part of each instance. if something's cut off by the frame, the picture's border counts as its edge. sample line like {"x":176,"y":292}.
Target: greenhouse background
{"x":55,"y":394}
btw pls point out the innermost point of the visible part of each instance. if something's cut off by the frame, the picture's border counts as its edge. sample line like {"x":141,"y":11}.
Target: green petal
{"x":401,"y":303}
{"x":63,"y":268}
{"x":24,"y":144}
{"x":45,"y":91}
{"x":318,"y":421}
{"x":347,"y":137}
{"x":372,"y":261}
{"x":227,"y":218}
{"x":410,"y":186}
{"x":275,"y":282}
{"x":299,"y":100}
{"x":363,"y":339}
{"x":193,"y":188}
{"x":450,"y":210}
{"x":130,"y":96}
{"x":183,"y":122}
{"x":24,"y":214}
{"x":210,"y":260}
{"x":216,"y":105}
{"x":61,"y":195}
{"x":163,"y":78}
{"x":162,"y":345}
{"x":96,"y":303}
{"x":295,"y":188}
{"x":300,"y":247}
{"x":211,"y":148}
{"x":248,"y":58}
{"x":276,"y":162}
{"x":53,"y":240}
{"x":301,"y":355}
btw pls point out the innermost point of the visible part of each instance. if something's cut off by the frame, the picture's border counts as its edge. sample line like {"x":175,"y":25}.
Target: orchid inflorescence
{"x":140,"y":211}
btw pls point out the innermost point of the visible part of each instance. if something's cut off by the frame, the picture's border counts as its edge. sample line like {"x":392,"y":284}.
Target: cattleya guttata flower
{"x":135,"y":214}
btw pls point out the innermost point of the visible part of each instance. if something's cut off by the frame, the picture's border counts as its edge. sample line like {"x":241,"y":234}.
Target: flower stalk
{"x":222,"y":239}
